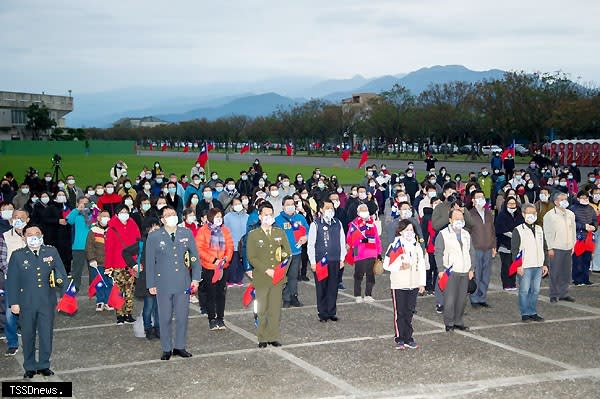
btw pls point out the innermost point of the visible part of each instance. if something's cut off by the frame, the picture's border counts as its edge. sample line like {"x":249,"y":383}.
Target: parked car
{"x":465,"y":149}
{"x":490,"y":149}
{"x":447,"y":148}
{"x":521,"y":150}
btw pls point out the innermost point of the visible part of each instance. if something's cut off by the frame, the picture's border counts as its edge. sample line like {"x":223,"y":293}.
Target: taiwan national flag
{"x":518,"y":262}
{"x":584,"y":244}
{"x":218,"y":272}
{"x":364,"y":156}
{"x":191,"y":290}
{"x":322,"y":270}
{"x":395,"y":250}
{"x":249,"y":295}
{"x":508,"y":150}
{"x":444,"y":280}
{"x":289,"y":148}
{"x":210,"y":146}
{"x":299,"y":230}
{"x":186,"y":148}
{"x":245,"y":148}
{"x":97,"y":283}
{"x":115,"y":298}
{"x":203,"y":156}
{"x":68,"y":302}
{"x":345,"y":153}
{"x":280,"y":271}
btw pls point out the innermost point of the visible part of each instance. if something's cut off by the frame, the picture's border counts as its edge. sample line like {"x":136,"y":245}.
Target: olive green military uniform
{"x":266,"y":252}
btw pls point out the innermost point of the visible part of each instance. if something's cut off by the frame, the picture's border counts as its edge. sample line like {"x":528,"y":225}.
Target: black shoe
{"x":475,"y":304}
{"x":149,"y":333}
{"x":212,"y":325}
{"x":461,"y":328}
{"x":323,"y":320}
{"x":120,"y":320}
{"x":588,"y":283}
{"x":275,"y":344}
{"x":157,"y":332}
{"x":203,"y":310}
{"x":286,"y":304}
{"x":181,"y":353}
{"x":166,"y":355}
{"x":29,"y":374}
{"x":295,"y":302}
{"x":262,"y":345}
{"x":129,"y":319}
{"x":567,"y":299}
{"x":45,"y":372}
{"x":341,"y":286}
{"x":449,"y":328}
{"x":525,"y":318}
{"x":553,"y":300}
{"x":537,"y":317}
{"x":333,"y":318}
{"x":439,"y":308}
{"x":484,"y":305}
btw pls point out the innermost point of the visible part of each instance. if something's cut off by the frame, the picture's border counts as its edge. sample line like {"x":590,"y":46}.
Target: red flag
{"x":186,"y":148}
{"x":98,"y":282}
{"x":349,"y":259}
{"x":444,"y":280}
{"x":364,"y":156}
{"x":345,"y":154}
{"x":151,"y":146}
{"x":280,"y":271}
{"x":508,"y":150}
{"x":218,"y":272}
{"x":322,"y":270}
{"x":115,"y":298}
{"x":514,"y":266}
{"x":589,"y":242}
{"x":68,"y":302}
{"x":210,"y":146}
{"x":431,"y":243}
{"x":249,"y":295}
{"x":203,"y":156}
{"x":299,"y":230}
{"x":395,"y":251}
{"x":164,"y":148}
{"x":245,"y":148}
{"x":289,"y":148}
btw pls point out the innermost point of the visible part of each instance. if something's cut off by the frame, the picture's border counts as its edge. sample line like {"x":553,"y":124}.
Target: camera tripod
{"x":55,"y":173}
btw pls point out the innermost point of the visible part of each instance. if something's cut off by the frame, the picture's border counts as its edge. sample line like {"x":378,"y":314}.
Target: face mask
{"x":71,"y":181}
{"x":160,"y":206}
{"x":285,"y":183}
{"x":569,"y":177}
{"x":244,"y":177}
{"x":238,"y":207}
{"x":458,"y":225}
{"x":172,"y":190}
{"x":35,"y":241}
{"x":364,"y":214}
{"x":202,"y":176}
{"x":127,"y":185}
{"x":409,"y":175}
{"x":190,"y":219}
{"x":171,"y":221}
{"x":544,"y":197}
{"x":261,"y":184}
{"x":274,"y":193}
{"x":61,"y":199}
{"x":432,"y":181}
{"x":369,"y":173}
{"x":207,"y":195}
{"x":230,"y":187}
{"x":194,"y":201}
{"x":128,"y":202}
{"x":406,"y":213}
{"x":362,"y":196}
{"x":159,"y":180}
{"x":336,"y":204}
{"x":530,"y":219}
{"x":573,"y":164}
{"x":61,"y":185}
{"x":123,"y":217}
{"x":372,"y":184}
{"x":530,"y":185}
{"x":104,"y":221}
{"x":7,"y":214}
{"x":480,"y":202}
{"x":300,"y":179}
{"x":90,"y":193}
{"x":25,"y":190}
{"x":409,"y":236}
{"x":146,"y":187}
{"x":214,"y":177}
{"x":48,"y":178}
{"x":34,"y":199}
{"x":264,"y":177}
{"x":402,"y":199}
{"x":321,"y":185}
{"x":564,"y":204}
{"x":563,"y":184}
{"x":584,"y":201}
{"x":245,"y":202}
{"x":45,"y":200}
{"x":596,"y":197}
{"x":339,"y":190}
{"x":219,"y":189}
{"x":511,"y":210}
{"x":328,"y":214}
{"x":197,"y":165}
{"x":484,"y":173}
{"x":148,"y":176}
{"x":267,"y":220}
{"x":196,"y":181}
{"x":290,"y":209}
{"x":110,"y":190}
{"x":146,"y":207}
{"x":18,"y":224}
{"x":411,"y":166}
{"x":591,"y":180}
{"x":304,"y":196}
{"x":431,"y":194}
{"x":165,"y":191}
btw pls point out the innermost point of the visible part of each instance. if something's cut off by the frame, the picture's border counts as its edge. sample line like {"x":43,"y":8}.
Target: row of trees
{"x":520,"y":106}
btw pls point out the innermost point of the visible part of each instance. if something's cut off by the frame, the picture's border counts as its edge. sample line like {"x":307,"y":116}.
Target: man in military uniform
{"x":33,"y":272}
{"x":267,"y":247}
{"x":170,"y":252}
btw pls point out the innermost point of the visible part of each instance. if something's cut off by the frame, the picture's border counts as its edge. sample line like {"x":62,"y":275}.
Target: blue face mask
{"x":172,"y":190}
{"x":219,"y":189}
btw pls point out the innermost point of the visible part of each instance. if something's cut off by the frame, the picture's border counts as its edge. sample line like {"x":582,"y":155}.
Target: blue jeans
{"x":483,"y":268}
{"x":10,"y":327}
{"x":529,"y":289}
{"x":150,"y":312}
{"x":101,"y":293}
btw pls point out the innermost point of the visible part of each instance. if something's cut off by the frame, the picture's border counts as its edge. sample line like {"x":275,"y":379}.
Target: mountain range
{"x":211,"y":101}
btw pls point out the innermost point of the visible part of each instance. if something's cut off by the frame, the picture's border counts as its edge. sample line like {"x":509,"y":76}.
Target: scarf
{"x":217,"y":239}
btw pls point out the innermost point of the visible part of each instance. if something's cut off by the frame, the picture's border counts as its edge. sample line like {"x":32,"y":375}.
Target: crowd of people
{"x":193,"y":236}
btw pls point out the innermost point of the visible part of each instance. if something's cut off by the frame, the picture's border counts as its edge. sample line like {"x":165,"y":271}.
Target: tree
{"x":38,"y":120}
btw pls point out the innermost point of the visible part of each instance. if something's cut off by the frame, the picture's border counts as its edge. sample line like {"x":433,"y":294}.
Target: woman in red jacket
{"x":215,"y":248}
{"x":109,"y":201}
{"x":121,"y":233}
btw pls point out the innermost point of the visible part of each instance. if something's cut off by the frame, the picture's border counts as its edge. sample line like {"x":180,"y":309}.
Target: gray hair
{"x":524,"y":207}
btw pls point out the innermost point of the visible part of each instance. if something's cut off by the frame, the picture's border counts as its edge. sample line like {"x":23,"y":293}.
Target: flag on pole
{"x":115,"y":298}
{"x":508,"y":150}
{"x":322,"y":270}
{"x":364,"y":156}
{"x":203,"y":156}
{"x":186,"y":148}
{"x":518,"y":262}
{"x":345,"y":153}
{"x":280,"y":271}
{"x":289,"y":148}
{"x":97,"y":283}
{"x":245,"y":148}
{"x":68,"y":302}
{"x":249,"y":295}
{"x":444,"y":280}
{"x":210,"y":146}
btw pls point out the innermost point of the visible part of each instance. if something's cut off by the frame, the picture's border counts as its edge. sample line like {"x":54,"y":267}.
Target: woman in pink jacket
{"x":365,"y":246}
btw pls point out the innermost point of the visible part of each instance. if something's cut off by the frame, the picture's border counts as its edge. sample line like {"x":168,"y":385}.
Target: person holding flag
{"x":405,"y":261}
{"x":33,"y":274}
{"x":215,"y":247}
{"x":267,"y":249}
{"x":529,"y":244}
{"x":95,"y":255}
{"x":326,"y":253}
{"x":295,"y":227}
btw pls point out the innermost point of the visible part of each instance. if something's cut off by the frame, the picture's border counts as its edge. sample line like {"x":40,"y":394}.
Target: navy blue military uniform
{"x":29,"y":287}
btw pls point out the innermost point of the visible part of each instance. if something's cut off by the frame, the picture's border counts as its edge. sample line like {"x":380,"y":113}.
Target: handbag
{"x":472,"y":287}
{"x":378,"y":267}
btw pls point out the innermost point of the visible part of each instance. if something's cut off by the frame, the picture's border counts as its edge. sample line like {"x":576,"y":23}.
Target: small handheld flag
{"x":280,"y":271}
{"x":249,"y":295}
{"x":514,"y":266}
{"x":395,"y":250}
{"x":68,"y":302}
{"x":322,"y":271}
{"x":97,"y":283}
{"x":444,"y":280}
{"x":299,"y":230}
{"x":218,"y":272}
{"x":115,"y":298}
{"x":191,"y":290}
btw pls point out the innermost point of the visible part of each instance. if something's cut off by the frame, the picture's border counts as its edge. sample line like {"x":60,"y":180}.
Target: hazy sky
{"x":97,"y":45}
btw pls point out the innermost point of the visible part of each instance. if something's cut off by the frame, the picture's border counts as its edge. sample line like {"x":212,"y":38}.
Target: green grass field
{"x":89,"y":170}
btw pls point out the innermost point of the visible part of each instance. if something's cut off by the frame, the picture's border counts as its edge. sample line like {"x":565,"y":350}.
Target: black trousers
{"x":37,"y":321}
{"x":405,"y":303}
{"x":327,"y":291}
{"x":507,"y":282}
{"x":304,"y":266}
{"x":362,"y":267}
{"x":431,"y":275}
{"x":215,"y":293}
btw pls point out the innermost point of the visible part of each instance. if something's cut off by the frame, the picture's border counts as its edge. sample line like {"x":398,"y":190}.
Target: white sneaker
{"x":99,"y":307}
{"x":358,"y":299}
{"x":106,"y":307}
{"x":369,"y":299}
{"x":193,"y":299}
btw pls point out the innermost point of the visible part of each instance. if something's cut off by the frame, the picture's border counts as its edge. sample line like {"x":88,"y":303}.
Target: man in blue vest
{"x":295,"y":227}
{"x":327,"y":241}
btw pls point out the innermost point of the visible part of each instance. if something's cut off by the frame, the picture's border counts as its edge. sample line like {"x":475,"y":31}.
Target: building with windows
{"x":13,"y":112}
{"x":146,"y":121}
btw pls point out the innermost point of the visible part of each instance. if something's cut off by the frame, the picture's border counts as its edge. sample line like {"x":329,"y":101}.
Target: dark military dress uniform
{"x":29,"y":282}
{"x":168,"y":263}
{"x":265,"y":252}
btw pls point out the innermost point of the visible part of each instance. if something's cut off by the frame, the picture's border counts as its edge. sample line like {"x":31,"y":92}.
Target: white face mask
{"x":244,"y":177}
{"x":364,"y":214}
{"x":147,"y":187}
{"x":584,"y":201}
{"x":372,"y":184}
{"x":194,"y":201}
{"x":217,"y":221}
{"x":34,"y":199}
{"x":90,"y":193}
{"x":48,"y":178}
{"x":61,"y":199}
{"x":159,"y":180}
{"x":19,"y":224}
{"x":290,"y":209}
{"x":457,"y":225}
{"x":511,"y":210}
{"x":321,"y":185}
{"x":160,"y":206}
{"x":339,"y":190}
{"x":362,"y":196}
{"x":544,"y":197}
{"x":104,"y":221}
{"x":406,"y":213}
{"x":71,"y":181}
{"x":207,"y":195}
{"x":110,"y":190}
{"x":300,"y":179}
{"x":100,"y":191}
{"x":127,"y":185}
{"x":25,"y":190}
{"x":409,"y":236}
{"x":35,"y":241}
{"x":285,"y":183}
{"x":530,"y":185}
{"x":245,"y":202}
{"x":171,"y":221}
{"x":530,"y":219}
{"x":214,"y":177}
{"x":7,"y":214}
{"x":123,"y":217}
{"x":45,"y":200}
{"x":336,"y":204}
{"x":329,"y":214}
{"x":231,"y":187}
{"x":267,"y":220}
{"x":128,"y":202}
{"x":431,"y":194}
{"x":238,"y":207}
{"x":564,"y":204}
{"x":596,"y":197}
{"x":190,"y":219}
{"x":275,"y":193}
{"x":480,"y":202}
{"x":196,"y":181}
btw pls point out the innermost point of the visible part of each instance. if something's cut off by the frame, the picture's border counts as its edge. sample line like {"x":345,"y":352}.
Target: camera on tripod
{"x":56,"y":159}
